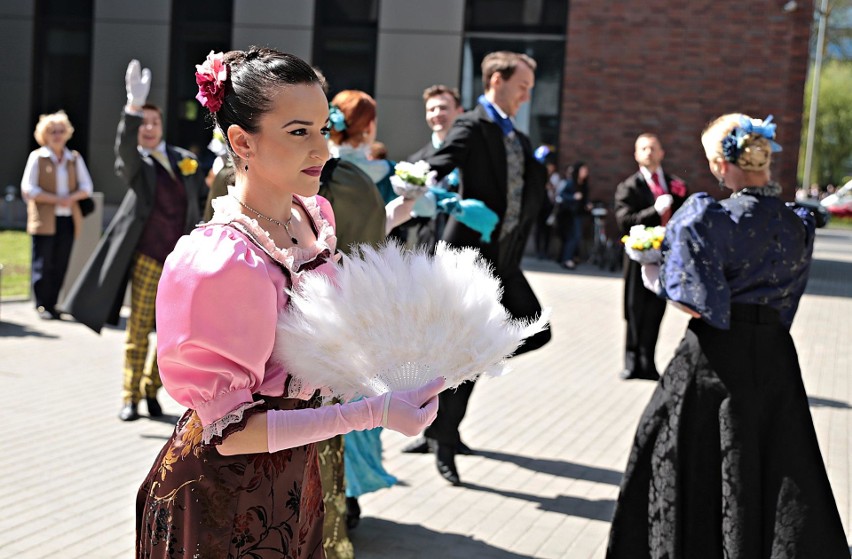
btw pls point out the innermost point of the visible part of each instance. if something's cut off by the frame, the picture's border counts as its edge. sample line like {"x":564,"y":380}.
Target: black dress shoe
{"x":353,"y":513}
{"x":154,"y":409}
{"x":445,"y":458}
{"x":129,"y":412}
{"x":627,"y":374}
{"x":464,"y":449}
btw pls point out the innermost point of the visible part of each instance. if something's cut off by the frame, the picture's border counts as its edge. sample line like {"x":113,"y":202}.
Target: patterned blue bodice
{"x":749,"y":248}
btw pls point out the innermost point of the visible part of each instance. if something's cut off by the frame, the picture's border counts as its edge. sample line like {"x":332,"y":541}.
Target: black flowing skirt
{"x":725,"y":462}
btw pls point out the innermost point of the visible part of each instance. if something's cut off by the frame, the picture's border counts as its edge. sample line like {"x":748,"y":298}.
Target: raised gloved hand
{"x":137,"y":82}
{"x":408,"y":412}
{"x":663,"y":203}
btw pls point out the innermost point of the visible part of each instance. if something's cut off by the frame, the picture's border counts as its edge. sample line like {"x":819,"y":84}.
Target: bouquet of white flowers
{"x":643,"y":244}
{"x":394,"y":320}
{"x":410,"y":180}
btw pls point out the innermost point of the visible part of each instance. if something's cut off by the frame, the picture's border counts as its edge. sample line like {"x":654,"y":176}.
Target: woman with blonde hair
{"x":55,"y":180}
{"x":725,"y":462}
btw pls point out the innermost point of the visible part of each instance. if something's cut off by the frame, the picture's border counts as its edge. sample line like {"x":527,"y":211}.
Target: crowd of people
{"x":725,"y":461}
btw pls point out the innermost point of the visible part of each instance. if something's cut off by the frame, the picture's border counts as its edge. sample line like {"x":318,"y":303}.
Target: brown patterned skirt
{"x":197,"y":503}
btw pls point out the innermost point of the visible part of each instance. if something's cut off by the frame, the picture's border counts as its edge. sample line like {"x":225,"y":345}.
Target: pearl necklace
{"x":284,"y":224}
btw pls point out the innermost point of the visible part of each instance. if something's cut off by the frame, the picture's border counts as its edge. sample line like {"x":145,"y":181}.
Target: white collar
{"x":161,"y":147}
{"x":647,"y":175}
{"x":47,"y":152}
{"x":500,"y":111}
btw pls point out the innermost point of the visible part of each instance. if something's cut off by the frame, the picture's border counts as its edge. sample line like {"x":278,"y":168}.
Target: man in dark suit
{"x":648,"y":197}
{"x":163,"y":202}
{"x":496,"y":166}
{"x":443,"y":106}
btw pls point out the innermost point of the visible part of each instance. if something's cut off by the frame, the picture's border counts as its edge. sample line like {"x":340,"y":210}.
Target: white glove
{"x":663,"y":203}
{"x":138,"y":83}
{"x":425,"y":206}
{"x":651,"y":277}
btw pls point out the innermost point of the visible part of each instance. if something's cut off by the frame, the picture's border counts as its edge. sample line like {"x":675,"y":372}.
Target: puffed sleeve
{"x":217,"y":307}
{"x":693,"y":269}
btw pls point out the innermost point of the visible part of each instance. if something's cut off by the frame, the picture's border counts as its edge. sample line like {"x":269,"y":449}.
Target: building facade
{"x":607,"y":70}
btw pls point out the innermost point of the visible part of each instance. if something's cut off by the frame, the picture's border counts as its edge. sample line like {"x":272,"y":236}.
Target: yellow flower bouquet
{"x":643,"y":244}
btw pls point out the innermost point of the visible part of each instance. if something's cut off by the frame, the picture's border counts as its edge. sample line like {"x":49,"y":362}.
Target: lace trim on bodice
{"x":770,"y":189}
{"x":227,"y":210}
{"x":218,"y":427}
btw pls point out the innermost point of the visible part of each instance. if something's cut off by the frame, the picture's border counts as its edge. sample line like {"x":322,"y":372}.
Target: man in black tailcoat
{"x":648,"y":198}
{"x":496,"y":166}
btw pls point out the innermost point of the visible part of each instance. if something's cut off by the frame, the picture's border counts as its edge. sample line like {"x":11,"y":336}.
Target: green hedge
{"x":15,"y":250}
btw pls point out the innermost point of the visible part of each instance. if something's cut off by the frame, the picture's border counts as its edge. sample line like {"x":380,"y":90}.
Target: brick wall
{"x":668,"y":67}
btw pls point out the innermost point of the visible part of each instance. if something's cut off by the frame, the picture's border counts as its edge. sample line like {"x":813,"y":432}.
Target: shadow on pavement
{"x":161,"y":437}
{"x":562,"y":504}
{"x":556,"y":467}
{"x":583,"y":269}
{"x":170,"y":419}
{"x":815,"y":402}
{"x":377,"y":537}
{"x":830,"y":278}
{"x":15,"y":330}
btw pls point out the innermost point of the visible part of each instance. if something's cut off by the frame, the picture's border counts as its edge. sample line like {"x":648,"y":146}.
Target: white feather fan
{"x":395,"y":319}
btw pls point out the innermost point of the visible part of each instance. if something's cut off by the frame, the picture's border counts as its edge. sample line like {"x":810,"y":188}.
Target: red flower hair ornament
{"x":211,"y":77}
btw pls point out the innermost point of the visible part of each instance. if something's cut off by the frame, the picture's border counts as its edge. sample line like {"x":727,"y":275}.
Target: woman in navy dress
{"x":725,"y":462}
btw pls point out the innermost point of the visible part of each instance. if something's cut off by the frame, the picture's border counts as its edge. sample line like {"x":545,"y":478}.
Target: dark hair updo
{"x":254,"y":75}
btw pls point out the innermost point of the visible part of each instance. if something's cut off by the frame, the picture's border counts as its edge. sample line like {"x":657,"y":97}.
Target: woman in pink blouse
{"x":239,"y":476}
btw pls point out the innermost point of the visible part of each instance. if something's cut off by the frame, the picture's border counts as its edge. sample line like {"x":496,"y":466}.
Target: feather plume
{"x":394,"y":319}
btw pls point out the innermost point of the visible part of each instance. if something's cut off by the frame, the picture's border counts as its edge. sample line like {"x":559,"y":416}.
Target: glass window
{"x":198,"y":26}
{"x":345,"y":43}
{"x":517,"y":16}
{"x":62,"y":63}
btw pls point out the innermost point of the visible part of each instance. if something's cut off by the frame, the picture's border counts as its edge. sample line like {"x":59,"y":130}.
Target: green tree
{"x":832,"y":152}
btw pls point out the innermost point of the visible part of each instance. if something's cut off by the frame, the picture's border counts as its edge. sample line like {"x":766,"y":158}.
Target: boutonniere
{"x":678,"y":188}
{"x":188,"y":166}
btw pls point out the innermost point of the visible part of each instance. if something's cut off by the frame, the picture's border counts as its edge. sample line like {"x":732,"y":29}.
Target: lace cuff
{"x":232,"y":422}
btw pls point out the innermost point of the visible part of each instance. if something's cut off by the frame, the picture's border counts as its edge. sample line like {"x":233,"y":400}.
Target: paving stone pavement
{"x":553,"y":436}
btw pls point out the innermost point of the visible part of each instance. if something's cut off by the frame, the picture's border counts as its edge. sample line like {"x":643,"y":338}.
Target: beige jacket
{"x":41,"y":217}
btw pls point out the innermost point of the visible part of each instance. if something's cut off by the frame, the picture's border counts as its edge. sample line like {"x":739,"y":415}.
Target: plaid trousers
{"x":139,"y":381}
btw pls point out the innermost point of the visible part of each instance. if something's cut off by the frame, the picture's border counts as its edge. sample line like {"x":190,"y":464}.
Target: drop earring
{"x":246,"y":167}
{"x":722,"y":185}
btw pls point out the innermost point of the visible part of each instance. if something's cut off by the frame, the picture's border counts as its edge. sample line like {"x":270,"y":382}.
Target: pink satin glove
{"x":408,"y":412}
{"x":412,"y":411}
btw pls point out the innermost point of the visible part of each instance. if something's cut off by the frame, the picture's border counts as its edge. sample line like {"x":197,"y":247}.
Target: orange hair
{"x":359,"y":110}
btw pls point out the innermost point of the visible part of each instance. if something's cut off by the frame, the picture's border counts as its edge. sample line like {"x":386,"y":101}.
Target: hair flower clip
{"x":765,"y":128}
{"x":211,"y":76}
{"x":336,"y":118}
{"x":735,"y":142}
